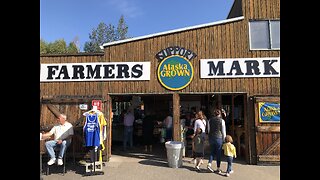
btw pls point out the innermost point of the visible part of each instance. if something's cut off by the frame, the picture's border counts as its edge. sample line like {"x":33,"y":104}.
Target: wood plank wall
{"x":71,"y":88}
{"x":223,"y":41}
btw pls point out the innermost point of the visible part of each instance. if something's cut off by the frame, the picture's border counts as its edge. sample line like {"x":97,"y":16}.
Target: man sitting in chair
{"x":62,"y":138}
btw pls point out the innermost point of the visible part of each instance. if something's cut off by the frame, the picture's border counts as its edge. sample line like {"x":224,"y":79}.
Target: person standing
{"x":200,"y":122}
{"x":198,"y":144}
{"x":216,"y":134}
{"x":147,"y":131}
{"x":63,"y":133}
{"x":230,"y":153}
{"x":168,"y":124}
{"x":128,"y":121}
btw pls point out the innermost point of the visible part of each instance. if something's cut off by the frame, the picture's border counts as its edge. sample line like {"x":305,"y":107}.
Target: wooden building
{"x":232,"y":64}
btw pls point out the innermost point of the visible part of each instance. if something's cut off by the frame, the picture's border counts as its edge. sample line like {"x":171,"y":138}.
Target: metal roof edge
{"x":173,"y":31}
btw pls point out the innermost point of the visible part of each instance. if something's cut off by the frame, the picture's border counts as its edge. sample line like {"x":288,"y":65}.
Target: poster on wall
{"x":269,"y":112}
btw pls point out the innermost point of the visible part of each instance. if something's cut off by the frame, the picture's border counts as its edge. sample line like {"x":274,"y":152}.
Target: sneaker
{"x":227,"y":174}
{"x":198,"y":168}
{"x":218,"y":171}
{"x":51,"y":161}
{"x":231,"y":172}
{"x":210,"y":168}
{"x":60,"y":162}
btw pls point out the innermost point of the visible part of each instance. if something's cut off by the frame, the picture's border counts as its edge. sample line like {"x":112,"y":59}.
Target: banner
{"x":269,"y":112}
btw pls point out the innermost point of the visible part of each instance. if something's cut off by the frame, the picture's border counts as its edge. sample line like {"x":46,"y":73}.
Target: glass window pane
{"x":259,"y":35}
{"x":275,"y":34}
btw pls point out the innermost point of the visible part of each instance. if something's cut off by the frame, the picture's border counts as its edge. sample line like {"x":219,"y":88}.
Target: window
{"x":264,"y":35}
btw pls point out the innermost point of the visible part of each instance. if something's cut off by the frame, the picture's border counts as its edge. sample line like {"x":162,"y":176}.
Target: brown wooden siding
{"x":222,"y":41}
{"x":261,"y":9}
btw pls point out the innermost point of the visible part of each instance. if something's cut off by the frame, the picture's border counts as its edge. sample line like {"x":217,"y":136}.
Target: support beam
{"x":176,"y":117}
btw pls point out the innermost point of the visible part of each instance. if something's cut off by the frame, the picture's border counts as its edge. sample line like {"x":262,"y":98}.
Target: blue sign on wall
{"x":269,"y":112}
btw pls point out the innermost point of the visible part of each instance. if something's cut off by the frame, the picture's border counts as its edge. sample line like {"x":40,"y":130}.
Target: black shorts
{"x":198,"y":154}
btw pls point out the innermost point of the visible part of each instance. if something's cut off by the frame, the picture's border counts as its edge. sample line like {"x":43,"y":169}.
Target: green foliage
{"x":104,"y":34}
{"x":122,"y":29}
{"x":43,"y":46}
{"x":72,"y":48}
{"x":58,"y":47}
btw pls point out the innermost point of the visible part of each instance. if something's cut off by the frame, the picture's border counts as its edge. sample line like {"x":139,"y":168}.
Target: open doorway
{"x":233,"y":104}
{"x":147,"y":107}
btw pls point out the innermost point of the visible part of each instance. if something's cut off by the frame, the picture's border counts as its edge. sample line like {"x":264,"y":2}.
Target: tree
{"x":43,"y":46}
{"x":104,"y":34}
{"x":72,"y":48}
{"x":59,"y":47}
{"x":122,"y":29}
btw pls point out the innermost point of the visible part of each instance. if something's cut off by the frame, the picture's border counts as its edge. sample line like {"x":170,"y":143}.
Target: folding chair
{"x":57,"y":149}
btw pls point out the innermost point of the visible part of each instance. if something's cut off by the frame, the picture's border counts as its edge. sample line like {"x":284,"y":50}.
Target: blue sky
{"x":67,"y":19}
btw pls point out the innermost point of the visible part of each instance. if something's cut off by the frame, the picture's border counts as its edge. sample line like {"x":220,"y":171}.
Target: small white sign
{"x":83,"y":106}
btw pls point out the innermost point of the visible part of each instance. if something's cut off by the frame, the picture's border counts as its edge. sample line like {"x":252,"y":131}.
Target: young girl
{"x":229,"y":152}
{"x":198,"y":141}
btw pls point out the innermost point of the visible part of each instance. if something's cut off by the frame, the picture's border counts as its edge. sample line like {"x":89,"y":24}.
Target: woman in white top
{"x":201,"y":122}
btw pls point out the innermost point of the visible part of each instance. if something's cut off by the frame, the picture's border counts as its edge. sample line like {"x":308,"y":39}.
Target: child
{"x":198,"y":141}
{"x":230,"y":152}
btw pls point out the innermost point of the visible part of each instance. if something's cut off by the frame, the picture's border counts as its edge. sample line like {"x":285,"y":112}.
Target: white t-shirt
{"x":168,"y":122}
{"x":61,"y":132}
{"x":200,"y":124}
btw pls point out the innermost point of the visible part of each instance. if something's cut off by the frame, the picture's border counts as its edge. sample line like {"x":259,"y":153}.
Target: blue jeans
{"x":215,"y":150}
{"x":169,"y":134}
{"x":229,"y":160}
{"x":128,"y":133}
{"x":52,"y":145}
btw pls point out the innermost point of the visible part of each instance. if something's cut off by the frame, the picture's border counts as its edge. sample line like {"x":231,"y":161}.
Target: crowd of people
{"x":201,"y":129}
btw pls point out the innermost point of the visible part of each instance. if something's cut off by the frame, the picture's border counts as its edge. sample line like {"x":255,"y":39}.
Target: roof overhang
{"x":172,"y":31}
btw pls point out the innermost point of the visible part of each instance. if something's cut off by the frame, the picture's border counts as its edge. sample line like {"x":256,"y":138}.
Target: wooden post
{"x":176,"y":117}
{"x":108,"y":114}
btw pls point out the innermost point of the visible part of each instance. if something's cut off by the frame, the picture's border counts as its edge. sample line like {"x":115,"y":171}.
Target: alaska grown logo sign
{"x":175,"y":70}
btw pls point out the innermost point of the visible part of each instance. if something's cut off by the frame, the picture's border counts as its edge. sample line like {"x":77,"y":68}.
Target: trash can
{"x":174,"y":153}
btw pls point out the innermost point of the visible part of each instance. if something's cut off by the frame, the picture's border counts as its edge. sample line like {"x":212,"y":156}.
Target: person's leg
{"x":229,"y":161}
{"x":150,"y":148}
{"x":169,"y":134}
{"x":50,"y":145}
{"x":218,"y":152}
{"x":198,"y":161}
{"x":125,"y":137}
{"x":211,"y":156}
{"x":63,"y":148}
{"x":130,"y":136}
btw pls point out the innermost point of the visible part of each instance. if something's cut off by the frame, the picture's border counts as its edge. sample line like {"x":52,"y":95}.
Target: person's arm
{"x":48,"y":134}
{"x":223,"y":130}
{"x":195,"y":126}
{"x":234,"y":151}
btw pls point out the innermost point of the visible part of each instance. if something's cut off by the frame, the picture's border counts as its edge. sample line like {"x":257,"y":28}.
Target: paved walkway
{"x":137,"y":165}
